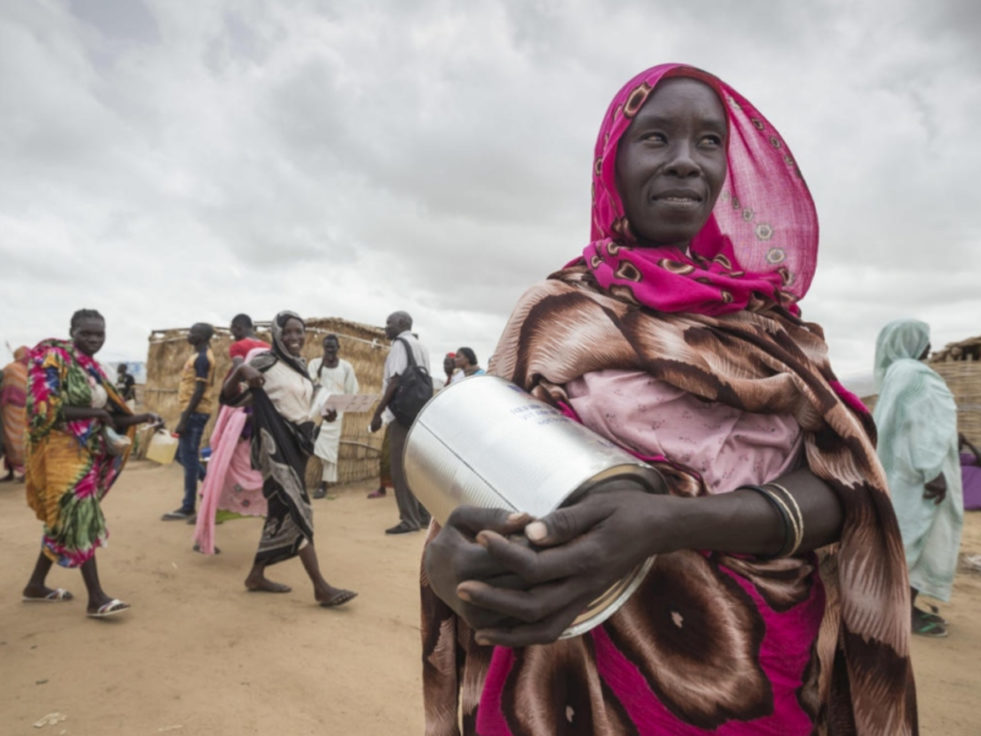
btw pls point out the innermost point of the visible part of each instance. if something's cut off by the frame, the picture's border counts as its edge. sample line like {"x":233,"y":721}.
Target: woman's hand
{"x":936,"y":490}
{"x":578,"y":552}
{"x":251,"y":376}
{"x":453,"y":556}
{"x":147,"y":418}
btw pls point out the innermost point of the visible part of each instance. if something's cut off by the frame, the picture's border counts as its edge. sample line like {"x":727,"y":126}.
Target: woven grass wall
{"x":365,"y":347}
{"x":963,"y":378}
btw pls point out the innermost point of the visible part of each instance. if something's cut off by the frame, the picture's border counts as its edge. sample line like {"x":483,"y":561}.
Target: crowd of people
{"x":788,"y":546}
{"x":78,"y":427}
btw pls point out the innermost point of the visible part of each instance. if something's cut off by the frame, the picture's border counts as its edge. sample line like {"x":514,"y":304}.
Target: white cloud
{"x":168,"y":163}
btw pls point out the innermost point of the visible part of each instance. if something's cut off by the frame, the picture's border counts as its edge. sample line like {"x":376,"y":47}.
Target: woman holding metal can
{"x":778,"y":599}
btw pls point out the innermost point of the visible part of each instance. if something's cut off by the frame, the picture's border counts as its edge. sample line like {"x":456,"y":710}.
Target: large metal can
{"x":486,"y":442}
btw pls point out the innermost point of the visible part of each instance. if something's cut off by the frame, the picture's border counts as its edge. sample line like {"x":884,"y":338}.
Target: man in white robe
{"x":330,"y":375}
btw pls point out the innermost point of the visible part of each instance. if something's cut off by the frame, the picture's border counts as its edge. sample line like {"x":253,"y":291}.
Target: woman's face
{"x":293,"y":334}
{"x":89,"y":334}
{"x":671,"y":162}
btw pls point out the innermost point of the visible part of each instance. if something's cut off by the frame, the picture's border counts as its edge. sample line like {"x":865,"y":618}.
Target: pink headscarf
{"x":760,"y":241}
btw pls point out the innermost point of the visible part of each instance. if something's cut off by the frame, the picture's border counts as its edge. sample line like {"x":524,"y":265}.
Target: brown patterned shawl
{"x":859,"y":679}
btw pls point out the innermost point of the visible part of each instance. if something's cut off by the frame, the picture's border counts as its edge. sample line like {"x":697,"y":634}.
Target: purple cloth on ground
{"x":971,"y":478}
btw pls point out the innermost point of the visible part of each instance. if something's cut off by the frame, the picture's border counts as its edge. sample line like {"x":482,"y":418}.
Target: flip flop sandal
{"x":933,"y":614}
{"x":58,"y":594}
{"x":339,"y":599}
{"x":108,"y":609}
{"x":924,"y":625}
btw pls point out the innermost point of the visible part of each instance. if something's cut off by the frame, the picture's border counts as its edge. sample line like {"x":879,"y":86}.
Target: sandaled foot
{"x":264,"y":585}
{"x":45,"y":595}
{"x":320,"y":493}
{"x":378,"y":493}
{"x":933,"y":614}
{"x":926,"y":625}
{"x":107,"y":609}
{"x":334,"y":597}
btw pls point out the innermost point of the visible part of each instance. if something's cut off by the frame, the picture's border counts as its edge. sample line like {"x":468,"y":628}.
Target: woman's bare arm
{"x":578,"y":551}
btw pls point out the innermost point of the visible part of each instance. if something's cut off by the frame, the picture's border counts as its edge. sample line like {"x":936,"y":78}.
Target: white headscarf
{"x":902,"y":338}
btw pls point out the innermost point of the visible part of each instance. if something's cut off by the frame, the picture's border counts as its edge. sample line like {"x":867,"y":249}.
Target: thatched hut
{"x":960,"y":365}
{"x":364,"y":346}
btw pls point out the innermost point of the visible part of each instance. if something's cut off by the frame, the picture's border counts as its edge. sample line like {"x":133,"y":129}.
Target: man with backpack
{"x":406,"y":386}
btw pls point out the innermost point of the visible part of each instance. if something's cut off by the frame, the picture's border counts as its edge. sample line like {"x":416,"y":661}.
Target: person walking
{"x":13,"y":399}
{"x":231,"y":487}
{"x":276,"y":385}
{"x":74,"y":456}
{"x":916,"y":417}
{"x":196,"y":395}
{"x":126,"y":385}
{"x":398,"y":328}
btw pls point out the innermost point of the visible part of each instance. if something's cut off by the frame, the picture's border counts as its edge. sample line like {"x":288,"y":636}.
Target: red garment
{"x":241,"y":348}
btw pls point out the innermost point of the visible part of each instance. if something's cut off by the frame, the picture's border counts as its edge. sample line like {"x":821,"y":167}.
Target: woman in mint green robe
{"x":917,"y":421}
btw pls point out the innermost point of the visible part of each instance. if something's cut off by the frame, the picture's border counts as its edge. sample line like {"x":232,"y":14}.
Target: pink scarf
{"x":759,"y":243}
{"x":230,"y":483}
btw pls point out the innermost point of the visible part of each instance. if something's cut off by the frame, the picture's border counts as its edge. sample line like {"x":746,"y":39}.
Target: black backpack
{"x":415,"y":389}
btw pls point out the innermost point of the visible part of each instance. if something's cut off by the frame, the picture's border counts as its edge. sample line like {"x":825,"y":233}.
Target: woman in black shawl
{"x":280,"y":392}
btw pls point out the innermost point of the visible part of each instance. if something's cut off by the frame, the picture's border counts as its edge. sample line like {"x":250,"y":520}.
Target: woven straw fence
{"x":963,"y":377}
{"x":365,"y":347}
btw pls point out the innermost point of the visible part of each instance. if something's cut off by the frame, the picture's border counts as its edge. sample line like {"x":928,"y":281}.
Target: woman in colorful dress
{"x":13,"y":398}
{"x":916,"y":417}
{"x":777,"y":601}
{"x":279,"y":390}
{"x":74,"y":455}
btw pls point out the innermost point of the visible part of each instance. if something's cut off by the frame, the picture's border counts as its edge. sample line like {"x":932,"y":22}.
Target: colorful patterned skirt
{"x":65,"y":484}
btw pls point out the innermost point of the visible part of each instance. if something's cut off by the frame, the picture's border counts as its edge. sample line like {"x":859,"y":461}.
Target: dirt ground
{"x":199,"y":655}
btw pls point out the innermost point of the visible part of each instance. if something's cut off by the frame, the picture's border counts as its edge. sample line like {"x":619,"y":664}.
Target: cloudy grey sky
{"x":169,"y":162}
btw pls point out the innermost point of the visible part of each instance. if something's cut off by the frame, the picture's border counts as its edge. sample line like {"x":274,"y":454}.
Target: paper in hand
{"x":350,"y":403}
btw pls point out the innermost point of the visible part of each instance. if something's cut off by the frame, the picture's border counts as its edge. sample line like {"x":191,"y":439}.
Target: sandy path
{"x":199,"y":655}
